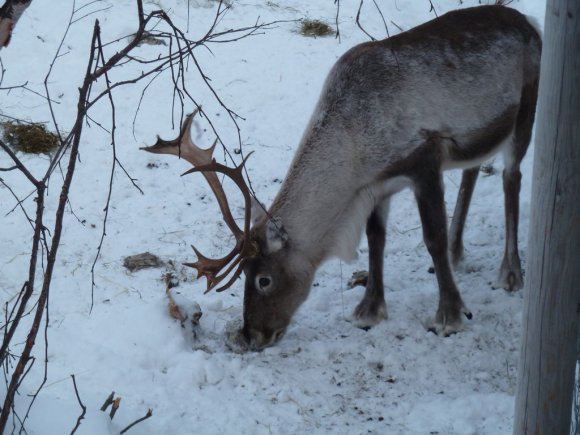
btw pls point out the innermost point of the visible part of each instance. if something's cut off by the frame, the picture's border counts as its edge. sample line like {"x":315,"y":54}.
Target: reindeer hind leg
{"x":468,"y":180}
{"x":510,"y":274}
{"x":373,"y":308}
{"x":430,"y":200}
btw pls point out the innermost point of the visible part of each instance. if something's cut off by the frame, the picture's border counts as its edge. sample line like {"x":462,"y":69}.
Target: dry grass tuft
{"x":315,"y":28}
{"x":30,"y":138}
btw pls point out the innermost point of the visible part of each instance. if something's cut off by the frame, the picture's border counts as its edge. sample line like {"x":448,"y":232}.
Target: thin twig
{"x":26,"y":293}
{"x":101,"y":55}
{"x":139,"y":420}
{"x":18,"y":204}
{"x":359,"y":24}
{"x":383,"y":18}
{"x":432,"y":8}
{"x":21,"y":167}
{"x":83,"y":407}
{"x":337,"y":3}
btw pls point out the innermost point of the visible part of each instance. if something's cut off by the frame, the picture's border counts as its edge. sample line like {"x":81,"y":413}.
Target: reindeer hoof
{"x":445,"y":330}
{"x":510,"y":280}
{"x":448,"y":322}
{"x":369,"y":313}
{"x":510,"y":275}
{"x":442,"y":332}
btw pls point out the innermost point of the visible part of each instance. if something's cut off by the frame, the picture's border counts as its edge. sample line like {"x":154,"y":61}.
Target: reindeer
{"x":393,"y":114}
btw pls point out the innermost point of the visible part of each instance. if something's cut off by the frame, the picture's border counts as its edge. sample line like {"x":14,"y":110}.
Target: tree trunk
{"x":10,"y":13}
{"x":552,"y":288}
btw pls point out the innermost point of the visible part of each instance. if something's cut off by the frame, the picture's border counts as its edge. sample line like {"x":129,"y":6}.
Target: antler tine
{"x":237,"y":176}
{"x":203,"y":161}
{"x":209,"y":268}
{"x":184,"y":147}
{"x":163,"y":146}
{"x":244,"y":247}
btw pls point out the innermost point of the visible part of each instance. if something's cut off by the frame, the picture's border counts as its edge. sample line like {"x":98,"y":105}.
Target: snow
{"x":325,"y":376}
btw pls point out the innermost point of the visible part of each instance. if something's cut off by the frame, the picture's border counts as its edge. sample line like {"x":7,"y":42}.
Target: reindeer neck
{"x":316,"y":193}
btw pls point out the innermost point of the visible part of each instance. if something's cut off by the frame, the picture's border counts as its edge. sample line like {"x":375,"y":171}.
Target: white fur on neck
{"x":352,"y":222}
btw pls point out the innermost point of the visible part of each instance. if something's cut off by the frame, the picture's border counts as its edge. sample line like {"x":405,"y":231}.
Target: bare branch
{"x":25,"y":357}
{"x":19,"y":163}
{"x":114,"y":407}
{"x":108,"y":401}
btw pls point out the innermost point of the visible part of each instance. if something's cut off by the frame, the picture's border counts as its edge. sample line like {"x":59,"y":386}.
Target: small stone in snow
{"x":142,"y":261}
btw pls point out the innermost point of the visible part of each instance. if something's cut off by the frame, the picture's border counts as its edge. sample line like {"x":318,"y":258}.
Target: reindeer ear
{"x":258,"y":211}
{"x":276,"y":236}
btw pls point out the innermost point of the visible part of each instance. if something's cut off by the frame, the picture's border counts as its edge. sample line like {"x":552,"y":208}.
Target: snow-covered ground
{"x":325,"y":376}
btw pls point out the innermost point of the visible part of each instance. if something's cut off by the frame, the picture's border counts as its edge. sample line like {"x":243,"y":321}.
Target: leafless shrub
{"x":16,"y":359}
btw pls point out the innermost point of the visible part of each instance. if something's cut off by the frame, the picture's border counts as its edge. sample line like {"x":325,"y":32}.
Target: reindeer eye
{"x":263,"y":282}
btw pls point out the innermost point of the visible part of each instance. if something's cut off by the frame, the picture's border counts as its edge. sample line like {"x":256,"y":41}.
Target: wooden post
{"x":552,"y":282}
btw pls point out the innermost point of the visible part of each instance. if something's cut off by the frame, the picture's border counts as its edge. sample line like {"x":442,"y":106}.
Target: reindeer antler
{"x":215,"y":270}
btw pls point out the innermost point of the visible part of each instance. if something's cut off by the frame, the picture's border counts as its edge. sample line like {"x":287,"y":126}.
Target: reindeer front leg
{"x":429,"y":194}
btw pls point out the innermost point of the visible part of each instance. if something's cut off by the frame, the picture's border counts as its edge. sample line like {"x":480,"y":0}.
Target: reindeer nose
{"x":242,"y":338}
{"x":279,"y":334}
{"x":258,"y":340}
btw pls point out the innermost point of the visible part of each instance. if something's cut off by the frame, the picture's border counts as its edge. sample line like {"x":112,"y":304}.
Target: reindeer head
{"x":278,"y":278}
